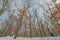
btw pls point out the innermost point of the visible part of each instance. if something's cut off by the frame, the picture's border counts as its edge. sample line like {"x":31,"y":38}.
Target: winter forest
{"x":30,"y":18}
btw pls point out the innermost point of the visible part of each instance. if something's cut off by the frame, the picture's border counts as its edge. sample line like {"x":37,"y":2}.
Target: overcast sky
{"x":5,"y":15}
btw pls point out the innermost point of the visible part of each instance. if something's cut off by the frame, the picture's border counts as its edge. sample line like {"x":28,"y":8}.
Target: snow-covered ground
{"x":27,"y":38}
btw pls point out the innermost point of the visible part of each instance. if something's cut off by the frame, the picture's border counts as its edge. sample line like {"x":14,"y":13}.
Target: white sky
{"x":20,"y":5}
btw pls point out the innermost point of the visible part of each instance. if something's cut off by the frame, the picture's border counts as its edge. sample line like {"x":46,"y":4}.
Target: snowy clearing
{"x":28,"y":38}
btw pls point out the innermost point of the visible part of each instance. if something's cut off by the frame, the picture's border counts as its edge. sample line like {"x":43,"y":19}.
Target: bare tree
{"x":4,"y":7}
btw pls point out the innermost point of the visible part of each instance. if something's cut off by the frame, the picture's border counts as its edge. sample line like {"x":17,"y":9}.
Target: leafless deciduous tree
{"x":28,"y":25}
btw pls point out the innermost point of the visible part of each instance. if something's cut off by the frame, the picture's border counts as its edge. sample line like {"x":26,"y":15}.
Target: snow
{"x":28,"y":38}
